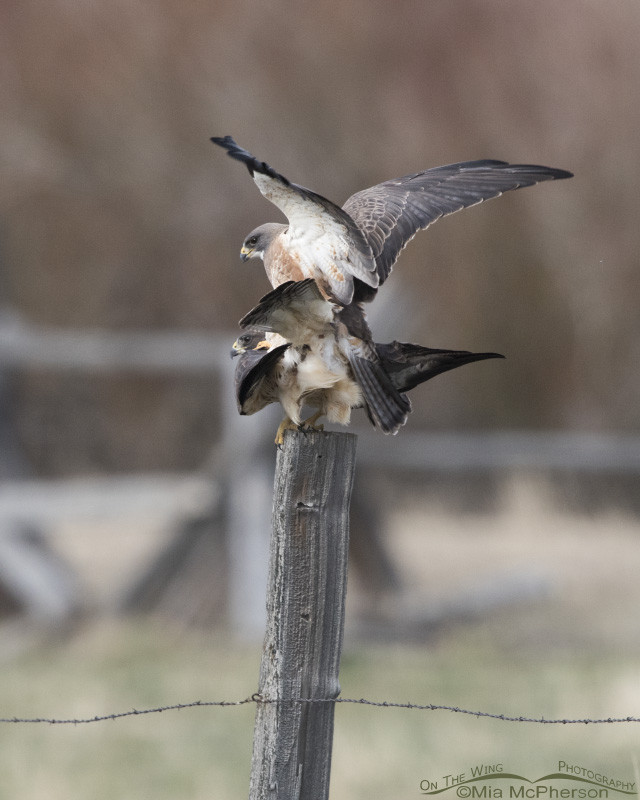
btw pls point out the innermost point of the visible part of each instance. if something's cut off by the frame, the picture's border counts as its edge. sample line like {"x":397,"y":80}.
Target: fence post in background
{"x":305,"y":616}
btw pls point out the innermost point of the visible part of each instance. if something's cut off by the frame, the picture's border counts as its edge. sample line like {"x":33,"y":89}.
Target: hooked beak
{"x":235,"y":349}
{"x":245,"y":253}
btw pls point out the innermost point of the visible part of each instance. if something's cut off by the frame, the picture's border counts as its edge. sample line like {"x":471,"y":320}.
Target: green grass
{"x":378,"y":753}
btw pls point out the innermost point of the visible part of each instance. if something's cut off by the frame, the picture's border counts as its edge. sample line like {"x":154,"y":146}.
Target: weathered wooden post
{"x":305,"y":616}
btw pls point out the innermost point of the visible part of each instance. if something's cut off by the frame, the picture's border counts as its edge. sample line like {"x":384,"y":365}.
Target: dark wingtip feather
{"x":561,"y":174}
{"x":540,"y":172}
{"x":252,"y":163}
{"x":409,"y":365}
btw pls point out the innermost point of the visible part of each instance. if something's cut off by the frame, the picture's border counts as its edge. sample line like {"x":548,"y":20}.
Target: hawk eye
{"x":253,"y":240}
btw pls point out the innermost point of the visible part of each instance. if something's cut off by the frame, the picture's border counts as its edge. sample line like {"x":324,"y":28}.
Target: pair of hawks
{"x":308,"y":341}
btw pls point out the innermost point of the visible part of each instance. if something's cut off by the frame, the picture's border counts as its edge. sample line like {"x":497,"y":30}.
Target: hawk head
{"x":256,"y":243}
{"x":249,"y":341}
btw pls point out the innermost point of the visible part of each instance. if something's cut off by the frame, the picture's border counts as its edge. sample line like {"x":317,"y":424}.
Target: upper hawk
{"x":350,"y":251}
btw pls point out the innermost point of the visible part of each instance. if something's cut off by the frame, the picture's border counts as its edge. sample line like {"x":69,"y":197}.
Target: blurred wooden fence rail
{"x":33,"y":579}
{"x":510,"y":450}
{"x":233,"y":532}
{"x":26,"y":345}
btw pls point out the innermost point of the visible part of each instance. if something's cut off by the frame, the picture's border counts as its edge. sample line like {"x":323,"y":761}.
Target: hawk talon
{"x":285,"y":425}
{"x":310,"y":422}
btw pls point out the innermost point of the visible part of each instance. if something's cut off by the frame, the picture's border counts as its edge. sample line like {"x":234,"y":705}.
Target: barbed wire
{"x":257,"y":698}
{"x":134,"y":712}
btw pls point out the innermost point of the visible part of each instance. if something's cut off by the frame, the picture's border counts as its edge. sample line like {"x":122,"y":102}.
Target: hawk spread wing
{"x":391,"y":213}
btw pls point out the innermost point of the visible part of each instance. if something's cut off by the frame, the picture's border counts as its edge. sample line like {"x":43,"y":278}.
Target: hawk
{"x":295,"y":355}
{"x":350,"y":251}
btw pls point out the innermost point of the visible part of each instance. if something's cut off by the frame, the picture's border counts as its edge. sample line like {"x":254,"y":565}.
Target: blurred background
{"x":495,"y":540}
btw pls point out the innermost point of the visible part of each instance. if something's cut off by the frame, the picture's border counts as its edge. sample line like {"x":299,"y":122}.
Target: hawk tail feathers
{"x":387,"y":408}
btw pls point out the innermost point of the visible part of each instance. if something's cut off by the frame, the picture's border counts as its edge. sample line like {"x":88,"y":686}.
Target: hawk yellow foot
{"x":285,"y":425}
{"x":310,"y":423}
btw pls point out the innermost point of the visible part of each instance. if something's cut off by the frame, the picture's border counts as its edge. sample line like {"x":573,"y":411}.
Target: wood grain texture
{"x":305,"y":616}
